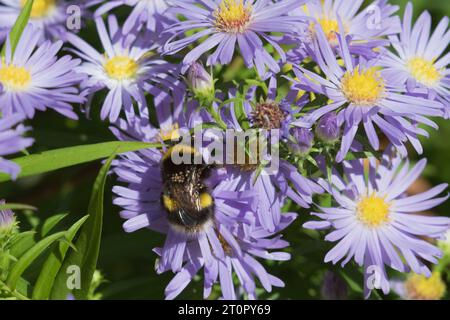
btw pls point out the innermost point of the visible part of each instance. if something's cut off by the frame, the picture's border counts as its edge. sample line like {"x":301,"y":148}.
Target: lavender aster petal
{"x":377,"y":225}
{"x":11,"y":142}
{"x":229,"y":23}
{"x":35,"y":79}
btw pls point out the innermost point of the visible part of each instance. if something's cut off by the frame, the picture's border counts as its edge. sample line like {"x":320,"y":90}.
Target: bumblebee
{"x":185,"y":197}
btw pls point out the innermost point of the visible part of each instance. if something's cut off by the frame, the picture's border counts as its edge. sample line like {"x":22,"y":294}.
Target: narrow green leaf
{"x":27,"y":258}
{"x":241,"y":115}
{"x":258,"y":83}
{"x":19,"y":26}
{"x":330,"y":174}
{"x":16,"y":206}
{"x":22,"y":286}
{"x":66,"y":157}
{"x":52,"y":265}
{"x":87,"y":244}
{"x":353,"y":284}
{"x":21,"y":243}
{"x":51,"y":223}
{"x":70,"y":244}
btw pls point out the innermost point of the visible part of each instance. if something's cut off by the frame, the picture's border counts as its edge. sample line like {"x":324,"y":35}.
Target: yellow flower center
{"x":329,"y":27}
{"x":424,"y":71}
{"x":14,"y":78}
{"x":232,"y":16}
{"x":373,"y":211}
{"x":363,"y":87}
{"x":419,"y":287}
{"x":171,"y":134}
{"x":40,"y":8}
{"x":121,"y":68}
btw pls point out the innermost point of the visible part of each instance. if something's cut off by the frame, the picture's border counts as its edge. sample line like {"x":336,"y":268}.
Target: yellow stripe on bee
{"x":169,"y":203}
{"x":181,"y":149}
{"x":206,"y":200}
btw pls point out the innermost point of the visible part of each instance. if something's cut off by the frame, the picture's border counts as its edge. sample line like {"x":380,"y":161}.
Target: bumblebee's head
{"x":179,"y":156}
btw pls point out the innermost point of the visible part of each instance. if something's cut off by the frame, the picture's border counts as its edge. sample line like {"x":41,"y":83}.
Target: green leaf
{"x":353,"y":284}
{"x":241,"y":115}
{"x":19,"y":26}
{"x":51,"y":222}
{"x":16,"y":206}
{"x":61,"y":158}
{"x":21,"y":243}
{"x":87,"y":244}
{"x":53,"y":264}
{"x":28,"y":257}
{"x":22,"y":286}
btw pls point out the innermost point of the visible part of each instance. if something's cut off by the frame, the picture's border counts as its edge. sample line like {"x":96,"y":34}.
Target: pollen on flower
{"x":419,"y":287}
{"x":232,"y":16}
{"x":329,"y":27}
{"x":225,"y":246}
{"x":373,"y":211}
{"x":41,"y":8}
{"x":424,"y":71}
{"x":268,"y":115}
{"x":363,"y":88}
{"x":121,"y":68}
{"x":172,"y":133}
{"x":14,"y":78}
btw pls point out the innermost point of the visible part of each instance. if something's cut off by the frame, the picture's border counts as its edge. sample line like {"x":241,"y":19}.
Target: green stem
{"x":216,"y":116}
{"x":14,"y":293}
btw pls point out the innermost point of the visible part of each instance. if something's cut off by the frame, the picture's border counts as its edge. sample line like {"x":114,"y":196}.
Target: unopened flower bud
{"x":327,"y":129}
{"x":7,"y":219}
{"x":200,"y":81}
{"x":302,"y":141}
{"x":333,"y":287}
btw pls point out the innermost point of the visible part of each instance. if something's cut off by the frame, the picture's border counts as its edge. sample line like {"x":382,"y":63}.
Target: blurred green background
{"x":127,"y":260}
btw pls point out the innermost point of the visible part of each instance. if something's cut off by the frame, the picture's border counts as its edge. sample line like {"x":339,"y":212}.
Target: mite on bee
{"x":185,"y":197}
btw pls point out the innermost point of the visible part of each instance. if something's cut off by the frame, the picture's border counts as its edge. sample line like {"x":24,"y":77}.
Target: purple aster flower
{"x":11,"y":142}
{"x":272,"y":183}
{"x":127,"y":70}
{"x":227,"y":22}
{"x":36,"y":79}
{"x":228,"y":243}
{"x":244,"y":242}
{"x":7,"y":218}
{"x":421,"y":61}
{"x":50,"y":17}
{"x":151,"y":13}
{"x":362,"y":93}
{"x":366,"y":28}
{"x":375,"y":222}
